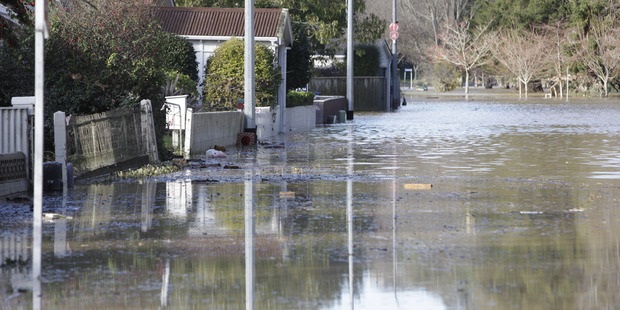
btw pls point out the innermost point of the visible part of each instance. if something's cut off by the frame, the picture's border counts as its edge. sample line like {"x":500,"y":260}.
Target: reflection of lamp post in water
{"x":394,"y":258}
{"x":249,"y":240}
{"x":165,"y":280}
{"x":350,"y":211}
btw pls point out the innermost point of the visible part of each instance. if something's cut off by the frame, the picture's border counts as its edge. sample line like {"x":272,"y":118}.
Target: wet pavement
{"x":523,"y":213}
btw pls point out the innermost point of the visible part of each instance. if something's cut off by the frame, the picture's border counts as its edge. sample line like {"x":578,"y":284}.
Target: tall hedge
{"x":224,"y":82}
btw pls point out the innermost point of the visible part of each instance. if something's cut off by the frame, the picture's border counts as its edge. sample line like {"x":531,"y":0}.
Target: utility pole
{"x":249,"y":91}
{"x":351,"y":106}
{"x":395,"y":76}
{"x":41,"y":33}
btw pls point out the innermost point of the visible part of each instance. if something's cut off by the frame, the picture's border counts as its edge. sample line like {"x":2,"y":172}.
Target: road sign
{"x":394,"y":35}
{"x":393,"y":27}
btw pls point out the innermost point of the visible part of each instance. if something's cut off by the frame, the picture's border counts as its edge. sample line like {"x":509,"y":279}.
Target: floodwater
{"x":523,"y":213}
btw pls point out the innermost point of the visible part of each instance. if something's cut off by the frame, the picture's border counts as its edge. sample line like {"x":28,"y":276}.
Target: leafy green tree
{"x":367,"y":60}
{"x":224,"y":83}
{"x":521,"y":14}
{"x":19,"y":15}
{"x":582,"y":12}
{"x":298,"y":59}
{"x":101,"y":55}
{"x":17,"y":62}
{"x":600,"y":51}
{"x":106,"y":54}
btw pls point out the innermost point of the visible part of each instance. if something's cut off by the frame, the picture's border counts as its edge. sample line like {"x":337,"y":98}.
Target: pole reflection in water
{"x":148,"y":200}
{"x":394,"y":258}
{"x":350,"y":213}
{"x":249,"y":240}
{"x":164,"y":285}
{"x":60,"y":238}
{"x":36,"y":261}
{"x":60,"y":225}
{"x":178,"y":198}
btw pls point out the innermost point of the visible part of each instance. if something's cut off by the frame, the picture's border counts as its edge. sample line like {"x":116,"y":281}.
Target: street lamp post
{"x":395,"y":76}
{"x":249,"y":91}
{"x":350,"y":79}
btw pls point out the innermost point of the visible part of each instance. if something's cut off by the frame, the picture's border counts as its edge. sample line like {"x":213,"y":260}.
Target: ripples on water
{"x":480,"y":137}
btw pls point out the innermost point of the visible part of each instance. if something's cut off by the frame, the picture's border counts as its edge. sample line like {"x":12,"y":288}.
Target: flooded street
{"x":523,"y":213}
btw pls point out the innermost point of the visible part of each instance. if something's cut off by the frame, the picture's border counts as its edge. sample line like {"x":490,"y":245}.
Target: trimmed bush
{"x":224,"y":83}
{"x":299,"y":98}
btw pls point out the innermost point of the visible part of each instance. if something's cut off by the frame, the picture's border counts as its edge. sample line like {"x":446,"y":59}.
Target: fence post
{"x":60,"y":146}
{"x":188,"y":132}
{"x":148,"y":130}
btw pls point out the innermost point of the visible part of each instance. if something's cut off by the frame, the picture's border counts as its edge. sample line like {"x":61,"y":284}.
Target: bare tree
{"x":522,"y":53}
{"x":461,"y":47}
{"x":600,"y":50}
{"x":555,"y":33}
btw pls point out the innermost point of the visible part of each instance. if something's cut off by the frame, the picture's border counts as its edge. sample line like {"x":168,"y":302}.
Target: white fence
{"x":16,"y":145}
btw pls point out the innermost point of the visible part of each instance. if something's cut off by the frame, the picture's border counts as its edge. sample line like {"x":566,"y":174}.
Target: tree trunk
{"x":525,"y":89}
{"x":466,"y":81}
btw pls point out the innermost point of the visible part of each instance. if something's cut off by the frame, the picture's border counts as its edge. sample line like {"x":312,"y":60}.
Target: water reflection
{"x":249,"y":240}
{"x":523,"y":213}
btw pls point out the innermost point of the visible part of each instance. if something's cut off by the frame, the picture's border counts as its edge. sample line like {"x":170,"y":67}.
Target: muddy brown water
{"x":523,"y":213}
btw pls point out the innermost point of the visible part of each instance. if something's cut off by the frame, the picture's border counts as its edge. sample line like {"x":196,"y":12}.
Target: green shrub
{"x":444,"y":77}
{"x":299,"y":98}
{"x":224,"y":82}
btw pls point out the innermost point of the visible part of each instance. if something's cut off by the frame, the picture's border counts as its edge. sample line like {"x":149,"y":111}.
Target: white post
{"x":396,"y":91}
{"x":282,"y":55}
{"x":60,"y":145}
{"x":148,"y":130}
{"x":249,"y":91}
{"x":350,"y":80}
{"x":189,"y":117}
{"x":40,"y":35}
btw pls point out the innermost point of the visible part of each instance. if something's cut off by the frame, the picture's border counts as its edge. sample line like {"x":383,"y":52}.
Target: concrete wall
{"x":267,"y":122}
{"x":207,"y":129}
{"x":327,"y":107}
{"x":213,"y":128}
{"x":297,"y":119}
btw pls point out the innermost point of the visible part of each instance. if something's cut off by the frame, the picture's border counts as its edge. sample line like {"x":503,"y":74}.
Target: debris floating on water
{"x":418,"y":186}
{"x":213,"y":153}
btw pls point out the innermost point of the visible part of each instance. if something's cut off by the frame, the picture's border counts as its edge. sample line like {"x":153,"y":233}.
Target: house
{"x":207,"y":28}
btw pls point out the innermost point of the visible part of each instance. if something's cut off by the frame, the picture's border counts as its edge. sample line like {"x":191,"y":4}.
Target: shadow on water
{"x":523,"y":213}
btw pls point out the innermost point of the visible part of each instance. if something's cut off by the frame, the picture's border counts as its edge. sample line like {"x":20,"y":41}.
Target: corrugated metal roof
{"x":218,"y":22}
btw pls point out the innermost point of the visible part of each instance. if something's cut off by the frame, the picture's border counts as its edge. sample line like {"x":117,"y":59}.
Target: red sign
{"x":393,"y":27}
{"x":394,"y":35}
